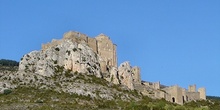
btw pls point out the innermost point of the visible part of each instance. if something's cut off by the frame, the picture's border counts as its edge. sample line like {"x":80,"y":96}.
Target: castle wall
{"x":184,"y":96}
{"x":105,"y":49}
{"x":93,"y":44}
{"x":176,"y":94}
{"x":192,"y":96}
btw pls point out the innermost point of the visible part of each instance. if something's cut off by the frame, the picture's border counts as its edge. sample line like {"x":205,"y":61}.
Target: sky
{"x":176,"y":42}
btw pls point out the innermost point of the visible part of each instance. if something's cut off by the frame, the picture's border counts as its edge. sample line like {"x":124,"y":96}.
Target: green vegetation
{"x":49,"y":99}
{"x":4,"y":62}
{"x":8,"y":65}
{"x":7,"y":91}
{"x":31,"y":97}
{"x":213,"y":98}
{"x":74,"y":49}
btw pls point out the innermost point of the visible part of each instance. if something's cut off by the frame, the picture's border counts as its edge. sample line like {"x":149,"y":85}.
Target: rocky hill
{"x":78,"y":72}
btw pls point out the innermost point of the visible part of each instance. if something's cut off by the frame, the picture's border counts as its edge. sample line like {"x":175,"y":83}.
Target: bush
{"x":7,"y":91}
{"x":74,"y":49}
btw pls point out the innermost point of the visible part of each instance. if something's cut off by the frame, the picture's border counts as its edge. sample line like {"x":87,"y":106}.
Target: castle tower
{"x":107,"y":50}
{"x":156,"y":85}
{"x":202,"y":92}
{"x":176,"y":94}
{"x":192,"y":88}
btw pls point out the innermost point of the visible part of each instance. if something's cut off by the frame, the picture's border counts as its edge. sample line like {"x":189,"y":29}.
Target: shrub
{"x":68,"y":73}
{"x":68,"y":52}
{"x":74,"y":49}
{"x":7,"y":91}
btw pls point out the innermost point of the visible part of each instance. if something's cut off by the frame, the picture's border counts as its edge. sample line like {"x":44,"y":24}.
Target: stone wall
{"x":192,"y":96}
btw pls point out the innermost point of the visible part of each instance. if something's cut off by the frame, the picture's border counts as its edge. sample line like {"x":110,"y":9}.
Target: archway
{"x":173,"y":99}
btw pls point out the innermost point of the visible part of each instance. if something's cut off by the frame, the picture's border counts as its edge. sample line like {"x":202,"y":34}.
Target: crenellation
{"x":192,"y":88}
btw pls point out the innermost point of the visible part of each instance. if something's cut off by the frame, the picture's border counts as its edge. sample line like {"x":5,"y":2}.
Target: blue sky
{"x":172,"y":41}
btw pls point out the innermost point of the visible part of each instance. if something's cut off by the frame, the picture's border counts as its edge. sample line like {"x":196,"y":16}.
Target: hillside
{"x":79,"y":72}
{"x":29,"y":96}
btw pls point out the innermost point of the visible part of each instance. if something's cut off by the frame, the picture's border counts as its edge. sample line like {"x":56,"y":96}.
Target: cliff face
{"x":70,"y":55}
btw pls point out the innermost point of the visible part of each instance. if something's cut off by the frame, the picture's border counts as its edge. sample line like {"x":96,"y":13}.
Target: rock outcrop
{"x":70,"y":55}
{"x":75,"y":54}
{"x":125,"y":75}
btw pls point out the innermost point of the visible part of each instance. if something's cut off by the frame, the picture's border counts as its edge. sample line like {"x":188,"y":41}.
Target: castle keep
{"x":102,"y":45}
{"x":127,"y":75}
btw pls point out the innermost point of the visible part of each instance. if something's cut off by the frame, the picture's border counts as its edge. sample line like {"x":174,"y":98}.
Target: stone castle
{"x":102,"y":45}
{"x":127,"y":75}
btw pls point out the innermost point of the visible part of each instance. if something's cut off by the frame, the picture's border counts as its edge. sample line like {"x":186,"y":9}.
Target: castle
{"x":102,"y":45}
{"x":127,"y":75}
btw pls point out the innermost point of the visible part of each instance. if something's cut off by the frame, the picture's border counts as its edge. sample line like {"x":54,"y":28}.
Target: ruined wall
{"x":53,"y":43}
{"x":154,"y":85}
{"x":76,"y":37}
{"x":136,"y":75}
